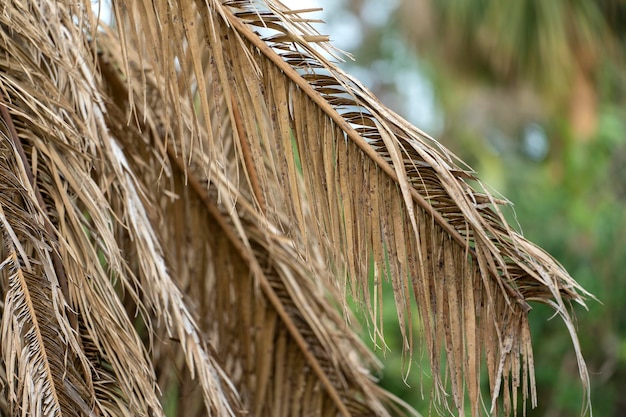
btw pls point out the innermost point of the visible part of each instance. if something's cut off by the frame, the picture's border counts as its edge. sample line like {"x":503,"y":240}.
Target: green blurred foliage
{"x":569,"y":195}
{"x":579,"y":216}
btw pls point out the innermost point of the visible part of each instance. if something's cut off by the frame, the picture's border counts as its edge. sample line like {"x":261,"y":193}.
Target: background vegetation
{"x":532,"y":96}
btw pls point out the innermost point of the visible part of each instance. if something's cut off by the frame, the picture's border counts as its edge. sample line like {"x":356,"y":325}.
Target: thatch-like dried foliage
{"x":188,"y":197}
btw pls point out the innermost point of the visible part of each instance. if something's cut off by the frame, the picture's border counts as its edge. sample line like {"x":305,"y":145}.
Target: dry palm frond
{"x":283,"y":344}
{"x":37,"y":337}
{"x":207,"y":168}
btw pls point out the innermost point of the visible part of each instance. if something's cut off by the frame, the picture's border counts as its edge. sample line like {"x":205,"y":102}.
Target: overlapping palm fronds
{"x":186,"y":197}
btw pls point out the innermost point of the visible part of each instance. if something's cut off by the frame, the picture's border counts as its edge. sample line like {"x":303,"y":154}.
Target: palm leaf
{"x":29,"y":335}
{"x":207,"y":167}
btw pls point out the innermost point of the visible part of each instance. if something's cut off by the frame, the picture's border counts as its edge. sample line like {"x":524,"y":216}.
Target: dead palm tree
{"x":185,"y":198}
